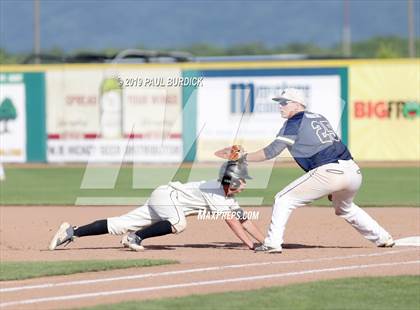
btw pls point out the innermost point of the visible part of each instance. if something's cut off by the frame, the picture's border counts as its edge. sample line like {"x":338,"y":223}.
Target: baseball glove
{"x":233,"y":153}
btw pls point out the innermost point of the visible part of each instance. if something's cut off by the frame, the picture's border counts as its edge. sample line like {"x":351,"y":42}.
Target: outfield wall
{"x":384,"y":111}
{"x":112,"y":115}
{"x":173,"y":112}
{"x":235,"y":106}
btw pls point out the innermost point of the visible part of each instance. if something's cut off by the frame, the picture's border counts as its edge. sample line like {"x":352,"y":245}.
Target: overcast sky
{"x":102,"y":24}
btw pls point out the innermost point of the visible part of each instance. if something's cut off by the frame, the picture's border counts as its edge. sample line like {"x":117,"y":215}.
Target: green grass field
{"x":27,"y":270}
{"x":381,"y":293}
{"x":64,"y":185}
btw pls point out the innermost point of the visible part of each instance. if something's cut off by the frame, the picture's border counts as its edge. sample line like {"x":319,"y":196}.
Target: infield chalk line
{"x":201,"y":283}
{"x":184,"y":271}
{"x":409,"y":241}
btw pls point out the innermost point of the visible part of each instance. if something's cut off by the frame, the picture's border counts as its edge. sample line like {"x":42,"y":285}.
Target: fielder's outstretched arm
{"x":256,"y":156}
{"x":269,"y":152}
{"x":226,"y":153}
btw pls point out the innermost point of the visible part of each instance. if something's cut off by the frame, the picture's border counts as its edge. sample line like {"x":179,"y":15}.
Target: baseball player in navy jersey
{"x":330,"y":171}
{"x":167,"y":207}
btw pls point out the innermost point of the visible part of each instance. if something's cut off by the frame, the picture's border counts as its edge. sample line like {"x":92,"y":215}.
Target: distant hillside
{"x":169,"y":24}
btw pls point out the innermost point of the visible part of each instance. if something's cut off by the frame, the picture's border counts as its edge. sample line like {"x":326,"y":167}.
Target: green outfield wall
{"x":169,"y":113}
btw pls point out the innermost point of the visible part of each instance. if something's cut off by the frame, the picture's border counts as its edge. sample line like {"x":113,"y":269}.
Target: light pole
{"x":37,"y":32}
{"x":411,"y":30}
{"x":346,"y":29}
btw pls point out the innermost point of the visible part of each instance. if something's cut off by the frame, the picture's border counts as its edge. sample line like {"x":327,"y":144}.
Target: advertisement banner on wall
{"x":112,"y":115}
{"x":12,"y":117}
{"x":385,"y":111}
{"x":236,"y":106}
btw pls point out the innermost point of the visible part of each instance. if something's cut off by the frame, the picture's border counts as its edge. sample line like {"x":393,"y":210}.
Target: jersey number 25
{"x":324,"y":131}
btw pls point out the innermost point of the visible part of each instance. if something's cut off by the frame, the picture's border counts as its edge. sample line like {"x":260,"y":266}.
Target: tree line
{"x":377,"y":47}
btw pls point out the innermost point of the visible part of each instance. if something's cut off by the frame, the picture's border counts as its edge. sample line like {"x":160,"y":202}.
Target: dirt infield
{"x":319,"y":245}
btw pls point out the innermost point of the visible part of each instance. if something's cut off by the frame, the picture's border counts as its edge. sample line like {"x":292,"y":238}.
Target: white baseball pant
{"x":162,"y":205}
{"x":342,"y":180}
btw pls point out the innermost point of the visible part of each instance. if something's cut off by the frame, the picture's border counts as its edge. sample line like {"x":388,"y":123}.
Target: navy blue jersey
{"x":311,"y":141}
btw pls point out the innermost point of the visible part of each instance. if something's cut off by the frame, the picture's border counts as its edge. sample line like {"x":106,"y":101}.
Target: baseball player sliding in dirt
{"x":167,"y":207}
{"x":329,"y":166}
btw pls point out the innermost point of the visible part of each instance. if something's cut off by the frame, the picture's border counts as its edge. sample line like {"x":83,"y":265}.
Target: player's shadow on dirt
{"x":239,"y":246}
{"x":213,"y":245}
{"x":308,"y":246}
{"x":85,"y":248}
